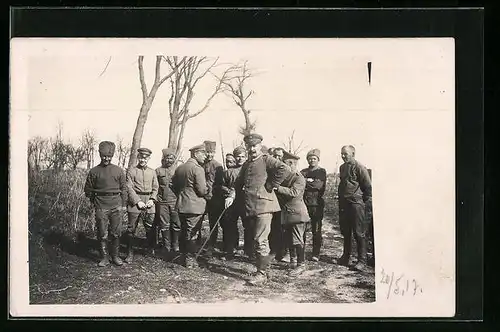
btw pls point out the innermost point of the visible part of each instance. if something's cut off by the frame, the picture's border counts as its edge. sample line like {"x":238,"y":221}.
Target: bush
{"x":57,"y":203}
{"x":331,"y":190}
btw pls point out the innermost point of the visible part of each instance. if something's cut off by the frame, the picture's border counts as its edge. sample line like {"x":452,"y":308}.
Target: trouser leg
{"x":133,"y":220}
{"x":248,"y":230}
{"x":359,"y":223}
{"x":346,"y":228}
{"x":149,"y":227}
{"x":190,"y":224}
{"x":102,"y":223}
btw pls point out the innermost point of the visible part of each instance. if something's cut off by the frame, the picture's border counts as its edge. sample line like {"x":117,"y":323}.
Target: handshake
{"x":141,"y":205}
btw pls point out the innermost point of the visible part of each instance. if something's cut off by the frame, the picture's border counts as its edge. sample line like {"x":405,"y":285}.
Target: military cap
{"x":167,"y":152}
{"x":144,"y":151}
{"x":239,"y":150}
{"x":313,"y":152}
{"x":253,"y":138}
{"x":288,"y":156}
{"x":200,"y":147}
{"x":210,"y":146}
{"x":107,"y":148}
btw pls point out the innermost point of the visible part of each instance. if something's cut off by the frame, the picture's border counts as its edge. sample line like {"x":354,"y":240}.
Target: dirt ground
{"x":64,"y":271}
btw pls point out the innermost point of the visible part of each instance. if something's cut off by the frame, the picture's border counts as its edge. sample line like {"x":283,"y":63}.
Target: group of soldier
{"x":276,"y":203}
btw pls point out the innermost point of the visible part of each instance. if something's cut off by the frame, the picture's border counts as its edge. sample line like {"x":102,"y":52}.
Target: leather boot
{"x":361,"y":265}
{"x":130,"y":250}
{"x":346,"y":255}
{"x":293,"y":258}
{"x":164,"y":237}
{"x":115,"y":247}
{"x":301,"y":262}
{"x":104,"y":254}
{"x":260,"y":276}
{"x":151,"y":240}
{"x":174,"y":241}
{"x":190,"y":260}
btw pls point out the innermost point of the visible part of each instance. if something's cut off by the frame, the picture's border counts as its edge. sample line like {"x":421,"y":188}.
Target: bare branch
{"x":174,"y":70}
{"x":144,"y":89}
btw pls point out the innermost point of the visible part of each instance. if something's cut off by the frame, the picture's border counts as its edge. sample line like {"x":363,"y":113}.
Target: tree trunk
{"x":139,"y":130}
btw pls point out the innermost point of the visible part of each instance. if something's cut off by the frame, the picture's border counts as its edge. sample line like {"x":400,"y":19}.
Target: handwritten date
{"x":399,"y":285}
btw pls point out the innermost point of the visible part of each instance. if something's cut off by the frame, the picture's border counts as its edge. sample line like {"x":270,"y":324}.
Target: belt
{"x":106,"y":194}
{"x":143,"y":193}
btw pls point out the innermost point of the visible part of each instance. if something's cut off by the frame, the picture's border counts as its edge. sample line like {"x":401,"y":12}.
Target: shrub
{"x":57,"y":203}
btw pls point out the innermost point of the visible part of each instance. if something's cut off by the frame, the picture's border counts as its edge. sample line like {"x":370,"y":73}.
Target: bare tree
{"x":37,"y":147}
{"x":291,"y":146}
{"x":147,"y":100}
{"x":88,"y":143}
{"x":75,"y":155}
{"x":123,"y":150}
{"x":182,"y":85}
{"x":57,"y":155}
{"x":235,"y":87}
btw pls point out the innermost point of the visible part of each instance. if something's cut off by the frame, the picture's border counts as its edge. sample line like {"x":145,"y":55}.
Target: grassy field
{"x":63,"y":256}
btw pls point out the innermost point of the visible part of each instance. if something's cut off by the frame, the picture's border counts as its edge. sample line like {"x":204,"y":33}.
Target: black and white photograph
{"x":222,"y":175}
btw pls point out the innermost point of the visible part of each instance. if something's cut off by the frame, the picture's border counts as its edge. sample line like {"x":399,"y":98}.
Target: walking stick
{"x":211,"y":231}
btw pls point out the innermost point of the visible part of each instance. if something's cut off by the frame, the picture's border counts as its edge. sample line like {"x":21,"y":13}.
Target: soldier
{"x":142,"y":193}
{"x":255,"y":185}
{"x":313,"y":197}
{"x":230,"y":219}
{"x":294,"y":214}
{"x":167,"y":218}
{"x":276,"y":237}
{"x":107,"y":189}
{"x":215,"y":204}
{"x":355,"y":190}
{"x":230,"y":161}
{"x":190,"y":185}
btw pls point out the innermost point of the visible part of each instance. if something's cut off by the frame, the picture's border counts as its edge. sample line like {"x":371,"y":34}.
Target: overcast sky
{"x":319,"y":89}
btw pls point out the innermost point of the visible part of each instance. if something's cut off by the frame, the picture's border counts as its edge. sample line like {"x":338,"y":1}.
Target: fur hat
{"x":107,"y":148}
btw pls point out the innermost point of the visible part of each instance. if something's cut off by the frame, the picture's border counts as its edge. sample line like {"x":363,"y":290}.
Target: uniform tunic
{"x":315,"y":187}
{"x":106,"y":187}
{"x":258,"y":201}
{"x":190,"y":185}
{"x":106,"y":180}
{"x":290,"y":195}
{"x":355,"y":185}
{"x":354,"y":190}
{"x":255,"y":176}
{"x":142,"y":186}
{"x":165,"y":193}
{"x":166,"y":214}
{"x":313,"y":198}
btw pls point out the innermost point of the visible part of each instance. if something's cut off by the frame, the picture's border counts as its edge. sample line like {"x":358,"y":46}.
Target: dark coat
{"x":255,"y":182}
{"x":290,"y":195}
{"x":190,"y":186}
{"x":315,"y":186}
{"x":355,"y":186}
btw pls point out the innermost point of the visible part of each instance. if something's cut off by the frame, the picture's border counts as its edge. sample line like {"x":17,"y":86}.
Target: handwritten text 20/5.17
{"x":400,"y":285}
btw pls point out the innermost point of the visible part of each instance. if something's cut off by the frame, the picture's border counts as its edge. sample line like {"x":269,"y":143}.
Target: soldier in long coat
{"x":355,"y":192}
{"x":313,"y":197}
{"x":190,"y":186}
{"x":142,"y":194}
{"x":106,"y":187}
{"x":255,"y":185}
{"x":230,"y":219}
{"x":276,"y":237}
{"x":215,"y":203}
{"x":167,"y":217}
{"x":294,"y":216}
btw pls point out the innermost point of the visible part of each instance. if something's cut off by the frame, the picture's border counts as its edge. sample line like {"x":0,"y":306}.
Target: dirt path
{"x":64,"y":273}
